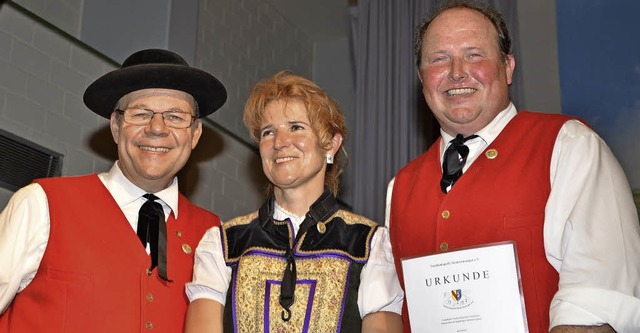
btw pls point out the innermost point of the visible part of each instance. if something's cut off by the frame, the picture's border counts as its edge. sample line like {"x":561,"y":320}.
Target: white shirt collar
{"x":489,"y":132}
{"x":125,"y":192}
{"x":281,"y":214}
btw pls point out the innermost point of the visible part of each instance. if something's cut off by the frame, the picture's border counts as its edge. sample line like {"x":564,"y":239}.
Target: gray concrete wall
{"x":42,"y":79}
{"x":333,"y":71}
{"x":243,"y":42}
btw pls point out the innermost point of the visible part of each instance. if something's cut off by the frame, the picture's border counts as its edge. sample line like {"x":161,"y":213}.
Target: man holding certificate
{"x":545,"y":183}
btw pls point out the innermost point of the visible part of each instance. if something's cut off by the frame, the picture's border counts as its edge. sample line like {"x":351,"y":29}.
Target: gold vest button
{"x":149,"y":297}
{"x":321,"y":227}
{"x":186,"y":248}
{"x":179,"y":234}
{"x":445,"y":214}
{"x":444,"y":246}
{"x":149,"y":325}
{"x":491,"y":154}
{"x":149,"y":272}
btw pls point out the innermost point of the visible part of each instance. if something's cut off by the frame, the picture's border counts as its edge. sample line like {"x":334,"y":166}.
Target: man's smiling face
{"x":151,"y":155}
{"x":465,"y":77}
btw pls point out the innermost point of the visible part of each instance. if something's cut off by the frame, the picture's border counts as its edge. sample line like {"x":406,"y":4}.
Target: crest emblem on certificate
{"x":456,"y":300}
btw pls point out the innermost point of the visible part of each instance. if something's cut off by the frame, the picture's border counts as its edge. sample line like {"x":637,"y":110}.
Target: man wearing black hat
{"x":111,"y":252}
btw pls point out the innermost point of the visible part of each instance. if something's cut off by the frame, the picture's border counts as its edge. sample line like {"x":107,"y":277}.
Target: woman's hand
{"x":379,"y":322}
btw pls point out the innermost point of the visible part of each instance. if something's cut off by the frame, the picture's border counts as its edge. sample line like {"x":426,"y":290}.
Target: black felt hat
{"x":155,"y":68}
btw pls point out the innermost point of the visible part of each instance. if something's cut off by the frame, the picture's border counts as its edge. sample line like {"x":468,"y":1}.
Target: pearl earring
{"x":329,"y":159}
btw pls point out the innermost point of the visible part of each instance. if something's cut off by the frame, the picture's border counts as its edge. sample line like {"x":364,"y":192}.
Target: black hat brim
{"x":103,"y":94}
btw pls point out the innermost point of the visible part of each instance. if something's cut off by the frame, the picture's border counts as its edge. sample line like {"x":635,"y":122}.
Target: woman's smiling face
{"x":289,"y":149}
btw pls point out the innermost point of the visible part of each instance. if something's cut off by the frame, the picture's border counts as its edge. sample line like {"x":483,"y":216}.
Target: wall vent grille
{"x":22,"y":161}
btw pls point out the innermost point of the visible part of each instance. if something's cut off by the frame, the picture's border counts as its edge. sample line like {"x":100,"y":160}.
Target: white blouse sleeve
{"x":24,"y":233}
{"x":211,"y":276}
{"x":379,"y":286}
{"x":592,"y":235}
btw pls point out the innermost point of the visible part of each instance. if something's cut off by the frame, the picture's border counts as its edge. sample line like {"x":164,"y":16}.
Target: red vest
{"x":502,"y":196}
{"x":93,"y":276}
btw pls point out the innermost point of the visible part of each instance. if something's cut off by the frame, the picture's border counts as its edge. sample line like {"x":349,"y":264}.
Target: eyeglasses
{"x":143,"y":117}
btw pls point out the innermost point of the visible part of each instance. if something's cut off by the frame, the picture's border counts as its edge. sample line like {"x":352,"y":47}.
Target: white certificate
{"x":469,"y":290}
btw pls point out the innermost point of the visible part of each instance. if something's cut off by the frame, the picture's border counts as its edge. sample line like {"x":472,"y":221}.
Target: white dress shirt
{"x":24,"y":227}
{"x":591,"y":229}
{"x":379,"y":286}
